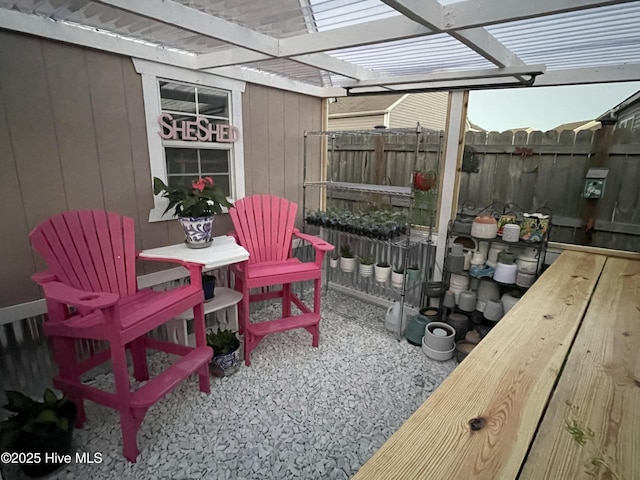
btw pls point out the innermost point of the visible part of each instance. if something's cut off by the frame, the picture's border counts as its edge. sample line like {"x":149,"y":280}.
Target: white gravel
{"x":297,"y":412}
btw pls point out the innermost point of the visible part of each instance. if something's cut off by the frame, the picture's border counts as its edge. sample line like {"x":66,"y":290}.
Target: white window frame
{"x":151,"y":73}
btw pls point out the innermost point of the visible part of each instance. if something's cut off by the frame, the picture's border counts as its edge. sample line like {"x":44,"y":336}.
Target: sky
{"x":544,"y":108}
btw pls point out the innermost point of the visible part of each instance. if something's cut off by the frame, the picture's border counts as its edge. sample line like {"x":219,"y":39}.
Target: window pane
{"x":181,"y":160}
{"x":213,"y":102}
{"x":222,"y":182}
{"x":181,"y":181}
{"x":177,"y":97}
{"x":214,"y":161}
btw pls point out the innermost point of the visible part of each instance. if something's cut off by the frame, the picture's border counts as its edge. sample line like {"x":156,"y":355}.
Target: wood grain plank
{"x":18,"y":261}
{"x":506,"y":381}
{"x":602,"y":380}
{"x":67,"y":76}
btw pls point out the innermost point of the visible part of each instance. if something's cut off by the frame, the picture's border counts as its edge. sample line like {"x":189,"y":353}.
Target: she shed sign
{"x":198,"y":130}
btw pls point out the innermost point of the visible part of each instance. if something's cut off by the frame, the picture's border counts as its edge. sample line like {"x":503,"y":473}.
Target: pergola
{"x":329,"y":48}
{"x":332,"y":48}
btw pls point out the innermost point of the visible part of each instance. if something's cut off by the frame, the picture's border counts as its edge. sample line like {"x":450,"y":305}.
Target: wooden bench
{"x":481,"y":422}
{"x":599,"y":387}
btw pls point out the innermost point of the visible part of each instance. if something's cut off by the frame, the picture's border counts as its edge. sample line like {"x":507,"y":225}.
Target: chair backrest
{"x":91,"y":250}
{"x":264,"y":226}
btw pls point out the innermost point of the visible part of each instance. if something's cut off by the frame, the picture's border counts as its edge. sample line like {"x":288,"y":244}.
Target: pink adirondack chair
{"x":91,"y":258}
{"x":264,"y":225}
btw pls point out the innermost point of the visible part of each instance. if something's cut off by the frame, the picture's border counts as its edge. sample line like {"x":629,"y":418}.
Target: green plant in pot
{"x":225,"y":347}
{"x":382,"y":270}
{"x":38,"y":428}
{"x":347,"y":259}
{"x":366,"y":265}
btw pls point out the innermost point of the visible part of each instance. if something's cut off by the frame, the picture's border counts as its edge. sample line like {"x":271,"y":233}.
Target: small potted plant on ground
{"x":38,"y":428}
{"x":366,"y":265}
{"x":225,"y":347}
{"x":347,"y":259}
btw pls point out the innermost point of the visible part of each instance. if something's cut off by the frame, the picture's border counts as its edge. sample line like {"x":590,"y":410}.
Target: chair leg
{"x":286,"y":300}
{"x":317,"y":286}
{"x":139,"y":358}
{"x":201,"y":341}
{"x":64,"y":354}
{"x":248,"y":340}
{"x":243,"y":308}
{"x":128,"y":423}
{"x":130,"y":426}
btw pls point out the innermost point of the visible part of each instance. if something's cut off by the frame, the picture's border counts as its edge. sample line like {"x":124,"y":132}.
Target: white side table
{"x":225,"y":307}
{"x":223,"y":252}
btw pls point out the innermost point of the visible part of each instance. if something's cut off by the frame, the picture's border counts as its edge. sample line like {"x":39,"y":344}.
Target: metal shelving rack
{"x":495,"y":210}
{"x":400,"y":192}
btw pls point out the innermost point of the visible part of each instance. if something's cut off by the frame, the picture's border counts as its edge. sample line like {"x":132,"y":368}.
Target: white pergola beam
{"x":229,"y":56}
{"x":335,"y":65}
{"x":376,"y":31}
{"x":580,"y":76}
{"x":424,"y":12}
{"x":317,"y":60}
{"x":429,"y":13}
{"x":276,"y":81}
{"x":181,"y":16}
{"x":483,"y":43}
{"x":84,"y":37}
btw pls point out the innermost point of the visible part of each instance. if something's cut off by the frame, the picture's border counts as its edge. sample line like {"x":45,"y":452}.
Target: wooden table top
{"x":481,"y":422}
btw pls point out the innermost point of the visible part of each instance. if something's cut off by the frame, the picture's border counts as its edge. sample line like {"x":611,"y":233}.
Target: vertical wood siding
{"x":73,"y":136}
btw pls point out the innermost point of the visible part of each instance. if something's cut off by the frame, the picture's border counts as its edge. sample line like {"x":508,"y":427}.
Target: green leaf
{"x":63,"y":424}
{"x":50,"y":397}
{"x":159,"y":186}
{"x":18,"y":402}
{"x":47,"y":416}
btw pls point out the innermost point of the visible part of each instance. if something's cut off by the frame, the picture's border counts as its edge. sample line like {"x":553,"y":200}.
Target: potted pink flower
{"x":195,"y":208}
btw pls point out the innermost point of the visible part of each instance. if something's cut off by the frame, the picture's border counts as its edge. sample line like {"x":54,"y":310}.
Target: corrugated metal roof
{"x":328,"y":43}
{"x":601,"y":36}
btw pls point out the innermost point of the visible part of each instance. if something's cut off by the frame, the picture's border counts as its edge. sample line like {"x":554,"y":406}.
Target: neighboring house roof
{"x":611,"y":115}
{"x":374,"y":103}
{"x":578,"y":126}
{"x":472,"y":127}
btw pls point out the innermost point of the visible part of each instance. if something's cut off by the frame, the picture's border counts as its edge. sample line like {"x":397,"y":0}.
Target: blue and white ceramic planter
{"x":227,"y":362}
{"x":198,"y":231}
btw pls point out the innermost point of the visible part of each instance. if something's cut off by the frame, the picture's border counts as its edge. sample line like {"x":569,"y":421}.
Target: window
{"x":188,"y":160}
{"x":194,"y":129}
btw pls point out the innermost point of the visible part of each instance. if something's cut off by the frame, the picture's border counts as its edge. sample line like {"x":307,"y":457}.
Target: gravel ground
{"x":297,"y":412}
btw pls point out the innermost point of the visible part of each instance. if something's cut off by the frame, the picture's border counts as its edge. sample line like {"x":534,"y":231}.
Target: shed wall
{"x":73,"y":136}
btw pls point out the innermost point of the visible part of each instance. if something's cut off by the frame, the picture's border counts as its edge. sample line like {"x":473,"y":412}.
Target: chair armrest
{"x":316,"y":242}
{"x":79,"y":298}
{"x":319,"y":245}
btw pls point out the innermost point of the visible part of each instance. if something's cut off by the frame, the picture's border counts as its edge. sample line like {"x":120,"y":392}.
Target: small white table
{"x":223,"y":252}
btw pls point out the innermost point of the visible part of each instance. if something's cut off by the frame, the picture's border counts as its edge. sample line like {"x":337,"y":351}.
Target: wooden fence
{"x":532,"y":170}
{"x":380,"y":158}
{"x":537,"y":169}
